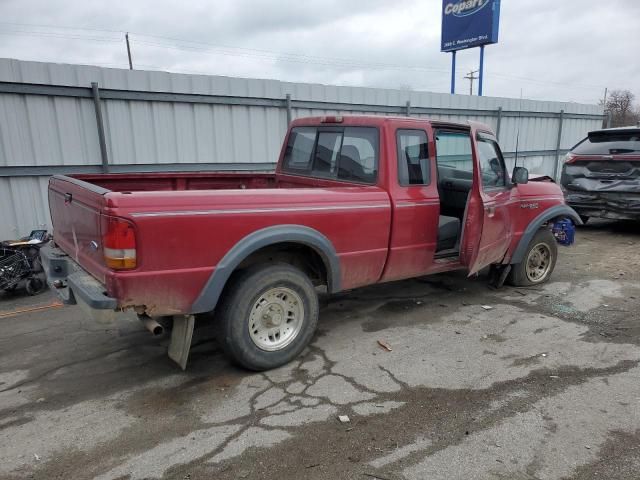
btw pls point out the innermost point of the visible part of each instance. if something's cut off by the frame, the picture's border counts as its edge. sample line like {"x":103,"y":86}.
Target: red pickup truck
{"x":354,"y":200}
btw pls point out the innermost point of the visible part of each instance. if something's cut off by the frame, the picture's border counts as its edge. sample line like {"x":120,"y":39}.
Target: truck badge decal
{"x":530,"y":205}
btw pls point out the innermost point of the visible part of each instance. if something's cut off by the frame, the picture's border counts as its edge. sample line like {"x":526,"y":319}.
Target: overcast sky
{"x":567,"y":50}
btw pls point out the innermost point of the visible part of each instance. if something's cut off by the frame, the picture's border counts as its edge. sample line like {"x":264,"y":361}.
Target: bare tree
{"x":620,"y":107}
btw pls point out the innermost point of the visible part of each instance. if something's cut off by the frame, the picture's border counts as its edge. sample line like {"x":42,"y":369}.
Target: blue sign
{"x":469,"y":23}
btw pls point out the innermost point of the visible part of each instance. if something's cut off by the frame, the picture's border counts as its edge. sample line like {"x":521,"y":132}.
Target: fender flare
{"x":536,"y":223}
{"x":253,"y":242}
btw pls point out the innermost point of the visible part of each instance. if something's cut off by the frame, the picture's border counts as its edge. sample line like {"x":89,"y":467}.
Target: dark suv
{"x":601,"y":175}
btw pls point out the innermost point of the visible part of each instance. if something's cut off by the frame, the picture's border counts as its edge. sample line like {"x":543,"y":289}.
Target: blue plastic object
{"x":565,"y":232}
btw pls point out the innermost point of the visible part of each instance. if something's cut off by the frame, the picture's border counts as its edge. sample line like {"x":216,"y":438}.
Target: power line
{"x":62,"y":36}
{"x":226,"y":50}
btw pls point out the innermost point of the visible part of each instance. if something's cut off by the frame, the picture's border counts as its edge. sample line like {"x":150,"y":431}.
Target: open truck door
{"x":488,"y":224}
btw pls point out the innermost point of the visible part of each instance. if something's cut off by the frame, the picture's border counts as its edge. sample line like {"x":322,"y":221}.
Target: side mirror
{"x":520,"y":175}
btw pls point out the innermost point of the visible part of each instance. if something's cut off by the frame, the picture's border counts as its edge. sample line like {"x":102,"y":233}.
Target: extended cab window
{"x":342,"y":153}
{"x":491,"y":163}
{"x":413,"y":158}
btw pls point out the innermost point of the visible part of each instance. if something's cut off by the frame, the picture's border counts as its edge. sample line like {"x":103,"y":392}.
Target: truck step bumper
{"x":71,"y":283}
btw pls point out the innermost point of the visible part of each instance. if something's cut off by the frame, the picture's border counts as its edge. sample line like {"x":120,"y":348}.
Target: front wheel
{"x":538,"y":262}
{"x":268,"y":315}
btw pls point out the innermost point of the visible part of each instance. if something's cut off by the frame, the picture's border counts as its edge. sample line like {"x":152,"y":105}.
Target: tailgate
{"x":76,"y":208}
{"x":613,"y":174}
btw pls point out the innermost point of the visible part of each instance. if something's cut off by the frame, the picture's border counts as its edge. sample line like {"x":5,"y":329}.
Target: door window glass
{"x":491,"y":163}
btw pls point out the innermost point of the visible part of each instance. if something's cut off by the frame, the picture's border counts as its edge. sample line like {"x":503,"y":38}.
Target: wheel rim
{"x":538,"y":263}
{"x":276,"y":318}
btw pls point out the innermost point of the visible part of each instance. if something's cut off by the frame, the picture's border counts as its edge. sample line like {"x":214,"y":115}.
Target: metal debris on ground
{"x":344,"y":418}
{"x":385,"y":345}
{"x":487,"y":307}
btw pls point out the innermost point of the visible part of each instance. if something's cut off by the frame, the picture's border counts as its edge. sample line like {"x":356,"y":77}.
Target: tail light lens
{"x":119,"y":243}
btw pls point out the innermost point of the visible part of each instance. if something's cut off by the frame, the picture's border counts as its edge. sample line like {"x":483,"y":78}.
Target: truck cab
{"x":454,"y":204}
{"x":354,"y":200}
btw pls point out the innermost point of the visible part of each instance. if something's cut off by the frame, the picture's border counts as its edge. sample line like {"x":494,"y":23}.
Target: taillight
{"x":119,"y":243}
{"x":332,"y":119}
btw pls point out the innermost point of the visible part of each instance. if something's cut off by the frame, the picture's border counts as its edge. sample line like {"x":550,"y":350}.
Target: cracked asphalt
{"x":545,"y":384}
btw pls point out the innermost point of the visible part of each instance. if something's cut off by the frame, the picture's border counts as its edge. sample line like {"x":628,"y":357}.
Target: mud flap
{"x":498,"y":275}
{"x":181,"y":339}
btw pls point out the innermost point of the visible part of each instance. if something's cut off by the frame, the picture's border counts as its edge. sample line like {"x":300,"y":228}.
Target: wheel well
{"x":299,"y":255}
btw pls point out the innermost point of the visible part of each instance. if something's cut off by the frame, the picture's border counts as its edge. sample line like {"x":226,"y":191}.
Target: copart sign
{"x":469,"y":23}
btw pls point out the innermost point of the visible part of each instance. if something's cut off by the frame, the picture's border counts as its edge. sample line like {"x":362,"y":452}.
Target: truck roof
{"x":379,"y":120}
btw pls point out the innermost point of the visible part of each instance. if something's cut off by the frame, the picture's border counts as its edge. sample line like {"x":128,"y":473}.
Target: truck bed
{"x":186,"y":222}
{"x":145,"y":182}
{"x":180,"y":181}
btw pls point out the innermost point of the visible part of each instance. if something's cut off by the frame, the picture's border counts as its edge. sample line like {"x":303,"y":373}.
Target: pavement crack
{"x":48,"y":372}
{"x":394,"y":378}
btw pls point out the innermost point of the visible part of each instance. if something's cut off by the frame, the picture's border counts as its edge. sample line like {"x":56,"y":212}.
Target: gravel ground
{"x":543,"y":385}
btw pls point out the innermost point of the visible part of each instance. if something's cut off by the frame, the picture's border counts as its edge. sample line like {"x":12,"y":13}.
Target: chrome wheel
{"x":276,"y":318}
{"x":538,"y":263}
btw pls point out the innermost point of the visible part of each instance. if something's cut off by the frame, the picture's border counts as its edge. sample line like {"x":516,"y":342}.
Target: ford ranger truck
{"x":354,"y":200}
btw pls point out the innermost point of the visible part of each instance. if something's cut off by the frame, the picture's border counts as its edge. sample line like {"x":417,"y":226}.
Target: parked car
{"x":354,"y":201}
{"x":601,"y":175}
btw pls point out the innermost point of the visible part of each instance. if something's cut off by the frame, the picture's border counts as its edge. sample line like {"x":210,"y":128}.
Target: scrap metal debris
{"x":385,"y":345}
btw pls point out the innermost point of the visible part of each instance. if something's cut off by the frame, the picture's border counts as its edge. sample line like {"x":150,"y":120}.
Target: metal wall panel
{"x":50,"y":131}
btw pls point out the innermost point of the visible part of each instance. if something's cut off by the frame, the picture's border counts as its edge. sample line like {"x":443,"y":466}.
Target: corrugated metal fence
{"x":71,"y":118}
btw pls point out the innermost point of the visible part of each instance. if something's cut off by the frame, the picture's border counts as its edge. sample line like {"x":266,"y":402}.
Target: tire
{"x":533,"y":270}
{"x":267,"y":316}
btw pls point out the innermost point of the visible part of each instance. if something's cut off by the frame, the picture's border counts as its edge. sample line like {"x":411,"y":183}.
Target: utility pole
{"x":126,"y":36}
{"x":471,"y":77}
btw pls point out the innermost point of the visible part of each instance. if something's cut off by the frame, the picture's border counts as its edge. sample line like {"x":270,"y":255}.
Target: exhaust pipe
{"x":150,"y":324}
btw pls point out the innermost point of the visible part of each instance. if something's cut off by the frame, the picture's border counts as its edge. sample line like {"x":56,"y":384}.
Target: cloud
{"x":548,"y":49}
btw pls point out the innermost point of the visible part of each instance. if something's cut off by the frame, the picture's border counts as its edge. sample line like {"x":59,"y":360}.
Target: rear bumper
{"x":71,"y":283}
{"x":613,"y":205}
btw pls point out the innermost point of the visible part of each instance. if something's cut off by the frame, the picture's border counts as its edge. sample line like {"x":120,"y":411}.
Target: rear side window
{"x":609,"y":143}
{"x":413,"y":158}
{"x":341,"y":153}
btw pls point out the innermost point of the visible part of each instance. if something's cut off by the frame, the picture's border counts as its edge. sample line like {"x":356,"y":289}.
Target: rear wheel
{"x":538,"y":262}
{"x":268,"y":315}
